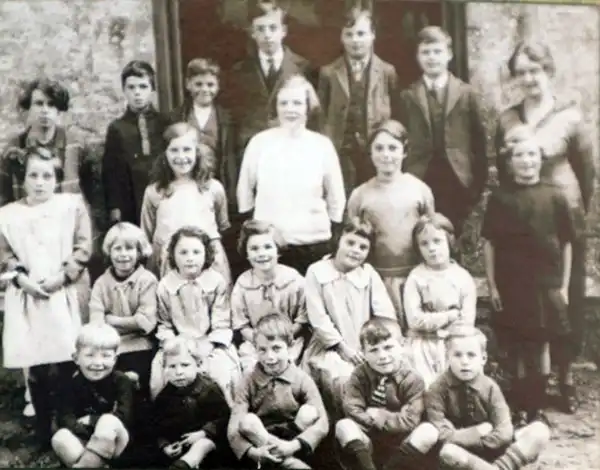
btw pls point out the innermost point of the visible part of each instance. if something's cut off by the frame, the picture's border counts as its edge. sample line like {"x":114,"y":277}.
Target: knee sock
{"x":406,"y":456}
{"x":463,"y":459}
{"x":357,"y":455}
{"x":512,"y":459}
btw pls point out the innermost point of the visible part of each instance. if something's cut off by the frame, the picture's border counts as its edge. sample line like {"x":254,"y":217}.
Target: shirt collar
{"x":364,"y":62}
{"x":325,"y":272}
{"x":277,"y":59}
{"x":131,"y":280}
{"x":208,"y":280}
{"x":261,"y":378}
{"x":59,"y":140}
{"x":439,"y":83}
{"x":399,"y":376}
{"x":478,"y":383}
{"x":150,"y":110}
{"x":284,"y":276}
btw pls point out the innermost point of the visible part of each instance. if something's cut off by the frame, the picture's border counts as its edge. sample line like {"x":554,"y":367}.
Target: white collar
{"x":439,"y":83}
{"x":202,"y":114}
{"x":277,"y":59}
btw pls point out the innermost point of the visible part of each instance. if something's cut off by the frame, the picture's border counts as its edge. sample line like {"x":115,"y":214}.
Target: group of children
{"x":211,"y":363}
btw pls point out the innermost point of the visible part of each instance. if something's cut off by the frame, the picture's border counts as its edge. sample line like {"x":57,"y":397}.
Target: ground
{"x":574,"y":444}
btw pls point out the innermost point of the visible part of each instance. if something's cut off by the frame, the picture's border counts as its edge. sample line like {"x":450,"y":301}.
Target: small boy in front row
{"x":278,"y":417}
{"x":96,"y":406}
{"x":471,"y":414}
{"x":191,"y":413}
{"x":383,"y":402}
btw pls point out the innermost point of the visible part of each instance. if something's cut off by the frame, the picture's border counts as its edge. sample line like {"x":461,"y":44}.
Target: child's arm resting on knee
{"x":238,"y":443}
{"x":309,"y":395}
{"x":212,"y":398}
{"x":502,"y":428}
{"x":355,"y":402}
{"x":435,"y":411}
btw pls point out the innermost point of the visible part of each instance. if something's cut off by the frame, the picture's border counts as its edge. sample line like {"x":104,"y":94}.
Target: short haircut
{"x":179,"y":345}
{"x":42,"y":153}
{"x":535,"y":51}
{"x":514,"y":136}
{"x":379,"y":329}
{"x":355,"y":13}
{"x":359,"y":226}
{"x":128,"y":233}
{"x":202,"y":66}
{"x":140,"y":69}
{"x":256,"y":227}
{"x":191,"y":232}
{"x":437,"y":221}
{"x":275,"y":326}
{"x":57,"y":94}
{"x":433,"y":35}
{"x":393,"y":128}
{"x":466,"y":331}
{"x":97,"y":335}
{"x":313,"y":105}
{"x":259,"y":8}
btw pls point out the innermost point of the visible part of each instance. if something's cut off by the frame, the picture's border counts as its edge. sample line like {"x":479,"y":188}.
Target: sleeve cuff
{"x":142,"y":321}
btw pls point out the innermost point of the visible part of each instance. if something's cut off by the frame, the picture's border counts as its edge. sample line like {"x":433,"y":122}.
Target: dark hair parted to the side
{"x":394,"y":128}
{"x":535,"y":51}
{"x":41,"y":153}
{"x":438,"y":221}
{"x":256,"y":227}
{"x":191,"y":232}
{"x":356,"y":225}
{"x":432,"y":35}
{"x":258,"y":8}
{"x":140,"y":69}
{"x":275,"y":326}
{"x":379,"y":329}
{"x":57,"y":94}
{"x":202,"y":66}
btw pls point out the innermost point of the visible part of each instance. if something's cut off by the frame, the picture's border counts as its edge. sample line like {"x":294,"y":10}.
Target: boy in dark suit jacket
{"x":445,"y":127}
{"x":256,"y":79}
{"x":355,"y":92}
{"x":132,"y":143}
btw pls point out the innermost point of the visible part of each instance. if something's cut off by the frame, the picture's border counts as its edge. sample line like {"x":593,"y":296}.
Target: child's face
{"x":433,"y":58}
{"x":123,"y":256}
{"x":273,"y":354}
{"x":181,"y":154}
{"x":268,"y":31}
{"x":358,"y":39}
{"x":40,"y":179}
{"x":42,"y":112}
{"x":190,"y":256}
{"x":352,"y":251}
{"x":292,"y":106}
{"x":138,"y":92}
{"x":262,"y":252}
{"x":181,"y":369}
{"x":526,"y":162}
{"x":95,"y":363}
{"x":531,"y":76}
{"x":387,"y":154}
{"x":465,"y":358}
{"x":203,"y":89}
{"x":384,"y":357}
{"x":433,"y":246}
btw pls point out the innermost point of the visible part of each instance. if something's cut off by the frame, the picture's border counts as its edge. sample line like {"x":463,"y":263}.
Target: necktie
{"x":271,"y":72}
{"x":357,"y":68}
{"x":436,"y":92}
{"x":378,"y":397}
{"x":143,"y":127}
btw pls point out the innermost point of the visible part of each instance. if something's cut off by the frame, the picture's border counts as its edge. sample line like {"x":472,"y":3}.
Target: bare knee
{"x":346,"y":430}
{"x":109,"y":426}
{"x":250,"y":424}
{"x":307,"y":416}
{"x":535,"y":435}
{"x":452,"y":455}
{"x":424,"y":437}
{"x":62,"y":438}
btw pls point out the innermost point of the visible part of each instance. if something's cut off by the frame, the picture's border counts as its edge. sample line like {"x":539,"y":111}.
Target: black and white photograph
{"x":300,"y":234}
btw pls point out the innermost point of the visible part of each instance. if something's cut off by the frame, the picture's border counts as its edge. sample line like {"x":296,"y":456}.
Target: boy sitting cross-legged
{"x":471,"y":414}
{"x":383,"y":402}
{"x":96,"y":405}
{"x":278,"y":417}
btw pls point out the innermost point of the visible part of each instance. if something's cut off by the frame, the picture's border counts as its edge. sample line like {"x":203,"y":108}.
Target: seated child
{"x":278,"y":416}
{"x":266,"y":288}
{"x":191,"y":413}
{"x":383,"y":402}
{"x":125,"y":298}
{"x":96,"y":405}
{"x":471,"y":414}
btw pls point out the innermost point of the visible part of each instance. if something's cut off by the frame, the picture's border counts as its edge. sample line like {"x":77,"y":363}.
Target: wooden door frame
{"x":167,"y":34}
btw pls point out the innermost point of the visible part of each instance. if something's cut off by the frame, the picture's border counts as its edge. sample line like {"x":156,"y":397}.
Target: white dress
{"x":42,"y":239}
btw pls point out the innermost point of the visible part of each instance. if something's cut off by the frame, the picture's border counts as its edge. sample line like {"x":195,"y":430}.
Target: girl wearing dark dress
{"x":528,"y":232}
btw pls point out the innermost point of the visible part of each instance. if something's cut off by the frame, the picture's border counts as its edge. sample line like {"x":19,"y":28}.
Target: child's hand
{"x":484,"y":429}
{"x":192,"y":437}
{"x":376,"y":414}
{"x":453,"y":315}
{"x":85,"y":420}
{"x":173,"y":450}
{"x":112,"y":320}
{"x":264,"y":454}
{"x":350,"y":355}
{"x":53,"y":283}
{"x":115,"y":216}
{"x":284,"y":449}
{"x":31,"y":287}
{"x":495,"y":299}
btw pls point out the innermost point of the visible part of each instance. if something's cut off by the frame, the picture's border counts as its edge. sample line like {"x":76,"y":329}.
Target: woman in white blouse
{"x":291,"y":177}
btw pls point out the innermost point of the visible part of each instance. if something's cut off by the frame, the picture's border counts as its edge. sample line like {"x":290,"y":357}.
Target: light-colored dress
{"x":197,"y":309}
{"x":252,"y":299}
{"x":162,"y":215}
{"x":44,"y":239}
{"x":428,"y":296}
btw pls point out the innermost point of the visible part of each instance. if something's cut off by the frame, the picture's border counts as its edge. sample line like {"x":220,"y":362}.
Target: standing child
{"x":278,"y":415}
{"x":96,"y":404}
{"x":392,"y":201}
{"x":471,"y":415}
{"x":125,"y":298}
{"x":528,"y":229}
{"x":445,"y":128}
{"x":356,"y":92}
{"x":184,"y":193}
{"x":266,"y":288}
{"x":438,"y":293}
{"x":383,"y":404}
{"x":45,"y":244}
{"x":191,"y":413}
{"x":342,"y":293}
{"x":133,"y":141}
{"x":193,"y":302}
